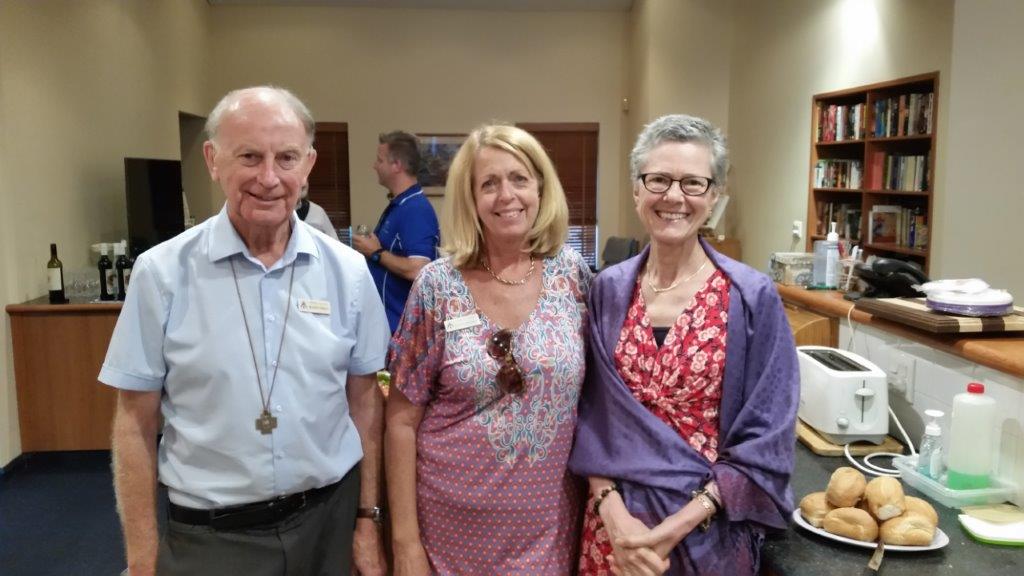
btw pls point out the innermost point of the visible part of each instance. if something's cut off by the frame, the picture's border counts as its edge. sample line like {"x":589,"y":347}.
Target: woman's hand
{"x":621,"y":527}
{"x":667,"y":535}
{"x":411,"y":560}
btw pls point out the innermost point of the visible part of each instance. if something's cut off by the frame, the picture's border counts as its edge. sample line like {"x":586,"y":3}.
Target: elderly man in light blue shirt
{"x":257,"y":339}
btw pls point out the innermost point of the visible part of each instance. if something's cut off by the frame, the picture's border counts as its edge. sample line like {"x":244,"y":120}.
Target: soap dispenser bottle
{"x":826,"y":260}
{"x":929,"y":458}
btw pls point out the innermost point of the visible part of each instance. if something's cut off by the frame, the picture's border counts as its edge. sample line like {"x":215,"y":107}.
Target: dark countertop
{"x":799,"y":552}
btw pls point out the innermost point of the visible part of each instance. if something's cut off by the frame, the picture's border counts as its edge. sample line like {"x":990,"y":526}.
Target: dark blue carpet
{"x":57,"y":516}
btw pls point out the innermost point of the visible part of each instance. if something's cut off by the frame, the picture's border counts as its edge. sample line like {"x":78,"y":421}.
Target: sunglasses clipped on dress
{"x":510,"y":377}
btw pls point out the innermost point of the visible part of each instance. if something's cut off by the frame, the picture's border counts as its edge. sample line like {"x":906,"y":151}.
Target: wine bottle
{"x":121,"y":264}
{"x":105,"y":266}
{"x":55,"y":277}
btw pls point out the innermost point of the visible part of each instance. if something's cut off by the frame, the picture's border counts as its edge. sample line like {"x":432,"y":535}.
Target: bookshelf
{"x":873,"y":166}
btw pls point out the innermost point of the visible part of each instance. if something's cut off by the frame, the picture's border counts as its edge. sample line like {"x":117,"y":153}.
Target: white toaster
{"x":842,"y":395}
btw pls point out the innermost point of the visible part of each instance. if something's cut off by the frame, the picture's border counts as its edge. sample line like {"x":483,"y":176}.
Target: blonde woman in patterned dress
{"x":486,"y":367}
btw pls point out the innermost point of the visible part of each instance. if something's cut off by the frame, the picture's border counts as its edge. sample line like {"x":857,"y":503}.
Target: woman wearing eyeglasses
{"x":686,"y":422}
{"x":486,"y":369}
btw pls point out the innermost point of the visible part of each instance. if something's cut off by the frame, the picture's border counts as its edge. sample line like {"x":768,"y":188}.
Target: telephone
{"x":891,"y":278}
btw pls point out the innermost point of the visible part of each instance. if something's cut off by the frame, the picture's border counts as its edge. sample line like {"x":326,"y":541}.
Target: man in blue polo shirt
{"x":407,"y":235}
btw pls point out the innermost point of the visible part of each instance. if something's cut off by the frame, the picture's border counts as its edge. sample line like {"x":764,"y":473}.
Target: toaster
{"x":842,"y":395}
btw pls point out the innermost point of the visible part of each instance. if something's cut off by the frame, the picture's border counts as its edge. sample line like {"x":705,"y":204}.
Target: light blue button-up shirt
{"x":181,"y":331}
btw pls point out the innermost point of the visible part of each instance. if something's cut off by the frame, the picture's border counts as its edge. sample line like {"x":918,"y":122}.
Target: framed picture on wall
{"x":437,"y":151}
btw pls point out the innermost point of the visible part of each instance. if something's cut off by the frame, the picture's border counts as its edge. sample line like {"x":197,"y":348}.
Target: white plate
{"x":938,"y":541}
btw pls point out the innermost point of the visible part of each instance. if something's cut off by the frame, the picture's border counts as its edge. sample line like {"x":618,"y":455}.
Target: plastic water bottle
{"x":970,"y":439}
{"x":826,"y":260}
{"x":929,"y":458}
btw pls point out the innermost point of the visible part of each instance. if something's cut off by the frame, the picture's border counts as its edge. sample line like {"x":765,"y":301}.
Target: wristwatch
{"x":376,"y":514}
{"x":375,"y":257}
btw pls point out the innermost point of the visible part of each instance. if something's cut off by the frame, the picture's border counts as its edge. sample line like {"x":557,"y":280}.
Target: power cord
{"x":868,"y":467}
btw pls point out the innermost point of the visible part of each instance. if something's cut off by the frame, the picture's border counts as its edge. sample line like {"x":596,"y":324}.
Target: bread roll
{"x":813,"y":508}
{"x":910,"y":529}
{"x":885,"y":498}
{"x":852,"y":523}
{"x":845,"y":488}
{"x":918,"y":506}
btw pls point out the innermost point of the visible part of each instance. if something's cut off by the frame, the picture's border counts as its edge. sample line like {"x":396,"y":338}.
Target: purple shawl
{"x":618,"y":438}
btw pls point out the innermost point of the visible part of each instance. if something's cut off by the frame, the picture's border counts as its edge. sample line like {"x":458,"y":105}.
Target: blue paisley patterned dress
{"x":493,"y":492}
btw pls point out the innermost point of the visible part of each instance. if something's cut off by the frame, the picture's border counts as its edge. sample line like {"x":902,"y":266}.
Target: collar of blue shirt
{"x":225,"y":242}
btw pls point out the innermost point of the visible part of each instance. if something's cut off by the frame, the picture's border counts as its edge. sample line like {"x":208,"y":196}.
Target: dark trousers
{"x":314,"y":541}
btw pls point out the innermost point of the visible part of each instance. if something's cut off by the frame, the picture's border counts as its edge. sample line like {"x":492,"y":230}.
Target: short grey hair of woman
{"x":461,"y":232}
{"x":681,"y":128}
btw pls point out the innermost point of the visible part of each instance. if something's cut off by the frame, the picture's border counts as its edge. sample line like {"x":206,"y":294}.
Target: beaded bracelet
{"x":701,"y":496}
{"x":600,"y":497}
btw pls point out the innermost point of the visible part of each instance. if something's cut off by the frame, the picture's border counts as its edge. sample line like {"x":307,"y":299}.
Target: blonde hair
{"x":461,"y":232}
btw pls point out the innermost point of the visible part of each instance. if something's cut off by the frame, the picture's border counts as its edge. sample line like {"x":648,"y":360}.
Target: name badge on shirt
{"x":461,"y":322}
{"x":315,"y":306}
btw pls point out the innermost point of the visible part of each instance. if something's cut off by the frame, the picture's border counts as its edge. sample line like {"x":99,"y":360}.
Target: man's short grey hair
{"x":281,"y":94}
{"x":681,"y":128}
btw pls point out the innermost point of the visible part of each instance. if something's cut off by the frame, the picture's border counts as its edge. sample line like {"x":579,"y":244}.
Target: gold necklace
{"x":529,"y":273}
{"x":650,"y":282}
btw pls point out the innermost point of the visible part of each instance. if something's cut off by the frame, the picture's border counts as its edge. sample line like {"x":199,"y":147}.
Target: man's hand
{"x":366,"y":245}
{"x":368,"y":550}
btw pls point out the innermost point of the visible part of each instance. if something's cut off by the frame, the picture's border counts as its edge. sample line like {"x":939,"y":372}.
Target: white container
{"x":970,"y":439}
{"x":826,"y":260}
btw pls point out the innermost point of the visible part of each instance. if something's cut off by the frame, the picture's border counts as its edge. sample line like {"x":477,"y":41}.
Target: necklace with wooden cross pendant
{"x":265,"y":423}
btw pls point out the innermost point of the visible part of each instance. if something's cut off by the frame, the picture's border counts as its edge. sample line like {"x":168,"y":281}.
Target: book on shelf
{"x":903,"y":115}
{"x":846,"y":215}
{"x":883,"y":224}
{"x":900,"y":225}
{"x":898,"y":172}
{"x":839,"y":122}
{"x":838,"y":174}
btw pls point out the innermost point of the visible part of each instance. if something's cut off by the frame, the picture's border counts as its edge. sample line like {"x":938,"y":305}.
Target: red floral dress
{"x":679,"y":382}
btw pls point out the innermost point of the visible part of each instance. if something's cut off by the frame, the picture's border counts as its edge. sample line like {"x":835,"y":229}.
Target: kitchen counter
{"x":799,"y":552}
{"x":58,"y":350}
{"x":999,"y":351}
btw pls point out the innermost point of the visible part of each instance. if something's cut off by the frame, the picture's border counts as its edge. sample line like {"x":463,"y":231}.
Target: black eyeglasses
{"x":510,"y":377}
{"x":690,"y":185}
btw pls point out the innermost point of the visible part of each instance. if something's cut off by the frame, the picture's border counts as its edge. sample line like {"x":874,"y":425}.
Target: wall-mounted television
{"x":156,"y":210}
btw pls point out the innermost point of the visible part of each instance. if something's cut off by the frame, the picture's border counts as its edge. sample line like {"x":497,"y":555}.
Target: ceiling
{"x":517,"y":5}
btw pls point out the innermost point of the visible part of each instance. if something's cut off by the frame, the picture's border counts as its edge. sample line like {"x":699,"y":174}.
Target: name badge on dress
{"x":315,"y":306}
{"x":461,"y":322}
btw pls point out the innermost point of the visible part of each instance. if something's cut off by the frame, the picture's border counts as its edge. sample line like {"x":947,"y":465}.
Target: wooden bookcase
{"x":895,"y":150}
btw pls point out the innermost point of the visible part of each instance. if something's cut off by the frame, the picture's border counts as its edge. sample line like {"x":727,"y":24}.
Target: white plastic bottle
{"x":929,"y":458}
{"x":826,"y":260}
{"x":970,"y":439}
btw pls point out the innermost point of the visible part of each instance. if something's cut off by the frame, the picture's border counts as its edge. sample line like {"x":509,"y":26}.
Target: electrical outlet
{"x":798,"y":229}
{"x":901,"y":375}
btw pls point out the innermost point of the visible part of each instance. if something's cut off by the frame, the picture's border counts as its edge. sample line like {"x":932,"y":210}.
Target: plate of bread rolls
{"x":854,"y":511}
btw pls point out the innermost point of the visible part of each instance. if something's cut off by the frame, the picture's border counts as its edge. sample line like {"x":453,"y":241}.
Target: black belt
{"x":248,"y":515}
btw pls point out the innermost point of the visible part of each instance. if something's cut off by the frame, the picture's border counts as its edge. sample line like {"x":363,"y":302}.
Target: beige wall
{"x":433,"y":71}
{"x":783,"y":53}
{"x":82,"y":84}
{"x":980,"y":220}
{"x":679,"y":55}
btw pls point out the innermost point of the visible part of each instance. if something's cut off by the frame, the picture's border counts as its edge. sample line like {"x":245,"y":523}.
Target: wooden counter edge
{"x":40,"y":306}
{"x":1002,"y":353}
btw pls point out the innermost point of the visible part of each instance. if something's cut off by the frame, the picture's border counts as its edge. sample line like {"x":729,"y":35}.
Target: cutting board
{"x":914,"y":312}
{"x":822,"y":447}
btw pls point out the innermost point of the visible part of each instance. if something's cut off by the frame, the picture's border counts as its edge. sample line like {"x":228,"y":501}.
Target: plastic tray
{"x":907,"y":465}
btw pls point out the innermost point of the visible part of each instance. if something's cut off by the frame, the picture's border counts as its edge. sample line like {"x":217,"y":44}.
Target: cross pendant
{"x":266,"y":423}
